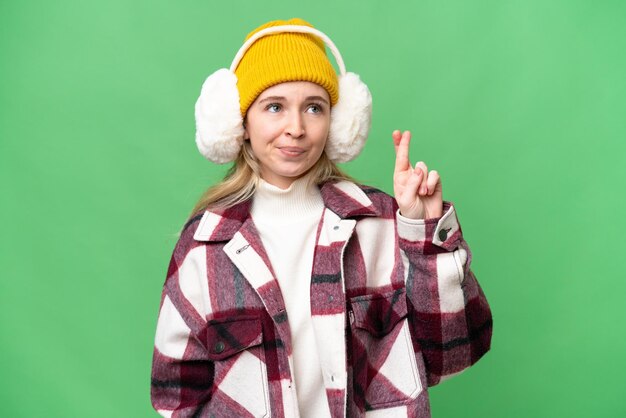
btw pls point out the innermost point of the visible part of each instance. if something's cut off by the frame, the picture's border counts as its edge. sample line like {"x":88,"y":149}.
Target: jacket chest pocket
{"x":235,"y":346}
{"x":384,"y":369}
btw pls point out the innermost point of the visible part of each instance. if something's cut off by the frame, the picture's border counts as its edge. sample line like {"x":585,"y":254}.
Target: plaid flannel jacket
{"x":395,"y":309}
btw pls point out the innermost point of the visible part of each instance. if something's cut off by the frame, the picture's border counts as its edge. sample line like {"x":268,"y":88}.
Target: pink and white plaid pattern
{"x":395,"y":309}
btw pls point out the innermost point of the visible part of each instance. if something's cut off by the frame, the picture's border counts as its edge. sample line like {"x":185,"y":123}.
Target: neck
{"x":297,"y":200}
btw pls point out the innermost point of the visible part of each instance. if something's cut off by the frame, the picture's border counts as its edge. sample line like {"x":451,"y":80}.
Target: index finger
{"x":402,"y":152}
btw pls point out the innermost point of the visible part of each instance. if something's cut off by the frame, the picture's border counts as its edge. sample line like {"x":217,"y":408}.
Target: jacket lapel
{"x":246,"y":251}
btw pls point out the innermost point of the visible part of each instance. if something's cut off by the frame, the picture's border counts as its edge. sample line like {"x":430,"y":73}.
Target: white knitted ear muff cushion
{"x":350,"y":119}
{"x":219,"y":125}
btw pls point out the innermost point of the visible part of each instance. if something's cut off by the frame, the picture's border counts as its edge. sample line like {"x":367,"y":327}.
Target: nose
{"x":295,"y":126}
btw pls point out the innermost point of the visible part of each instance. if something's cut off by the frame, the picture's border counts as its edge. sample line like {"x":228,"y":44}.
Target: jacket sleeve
{"x":451,"y":317}
{"x":181,"y":372}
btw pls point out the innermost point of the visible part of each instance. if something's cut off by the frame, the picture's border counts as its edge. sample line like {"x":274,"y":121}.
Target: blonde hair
{"x":243,"y":177}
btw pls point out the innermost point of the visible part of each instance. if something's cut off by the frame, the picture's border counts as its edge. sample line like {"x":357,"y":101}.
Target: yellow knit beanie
{"x":282,"y":57}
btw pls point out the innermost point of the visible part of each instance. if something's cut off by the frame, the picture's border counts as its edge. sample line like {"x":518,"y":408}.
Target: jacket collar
{"x":344,"y":198}
{"x":348,"y":200}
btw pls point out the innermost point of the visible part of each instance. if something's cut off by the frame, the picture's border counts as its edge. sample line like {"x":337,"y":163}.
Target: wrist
{"x":411,"y":215}
{"x":421,"y":215}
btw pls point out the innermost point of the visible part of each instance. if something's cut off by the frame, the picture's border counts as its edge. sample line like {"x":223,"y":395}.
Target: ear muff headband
{"x":289,"y":28}
{"x":219,"y":123}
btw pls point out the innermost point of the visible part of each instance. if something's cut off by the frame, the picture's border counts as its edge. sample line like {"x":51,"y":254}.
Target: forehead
{"x":295,"y":89}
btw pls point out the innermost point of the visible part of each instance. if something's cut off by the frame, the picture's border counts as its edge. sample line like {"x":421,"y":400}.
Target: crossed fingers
{"x":415,"y":184}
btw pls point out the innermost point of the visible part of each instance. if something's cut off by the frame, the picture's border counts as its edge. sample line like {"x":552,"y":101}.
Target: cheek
{"x":322,"y":137}
{"x":260,"y":138}
{"x":321,"y":145}
{"x":325,"y":129}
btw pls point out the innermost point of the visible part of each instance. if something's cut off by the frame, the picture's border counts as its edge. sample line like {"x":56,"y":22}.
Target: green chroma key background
{"x":520,"y":105}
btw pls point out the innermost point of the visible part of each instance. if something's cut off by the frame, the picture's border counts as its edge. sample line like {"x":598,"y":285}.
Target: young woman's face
{"x":287,"y":126}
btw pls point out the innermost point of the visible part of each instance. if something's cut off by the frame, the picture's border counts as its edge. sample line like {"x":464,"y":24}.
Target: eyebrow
{"x":282,"y":98}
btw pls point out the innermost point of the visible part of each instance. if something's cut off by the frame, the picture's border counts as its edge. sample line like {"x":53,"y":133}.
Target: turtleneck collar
{"x":273,"y":204}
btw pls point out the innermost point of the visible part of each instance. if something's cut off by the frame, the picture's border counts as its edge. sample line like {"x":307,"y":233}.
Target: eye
{"x":315,"y":108}
{"x":273,"y":107}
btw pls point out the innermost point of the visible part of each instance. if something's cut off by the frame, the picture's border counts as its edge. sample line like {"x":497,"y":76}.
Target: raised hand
{"x":417,"y":191}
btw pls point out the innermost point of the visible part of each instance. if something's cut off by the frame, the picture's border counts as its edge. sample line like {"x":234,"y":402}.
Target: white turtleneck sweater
{"x":287,"y":221}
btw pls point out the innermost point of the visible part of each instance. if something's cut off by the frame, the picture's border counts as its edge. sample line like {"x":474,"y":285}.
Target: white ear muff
{"x":350,"y":119}
{"x":219,"y":123}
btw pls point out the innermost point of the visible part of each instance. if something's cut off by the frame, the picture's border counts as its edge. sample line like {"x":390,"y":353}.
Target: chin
{"x":293,"y":175}
{"x":293,"y":172}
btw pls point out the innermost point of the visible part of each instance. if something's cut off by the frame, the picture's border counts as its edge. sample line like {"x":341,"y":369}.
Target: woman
{"x":293,"y":291}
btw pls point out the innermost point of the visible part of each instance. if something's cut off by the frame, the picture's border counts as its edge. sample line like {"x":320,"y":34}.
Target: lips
{"x":292,"y":151}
